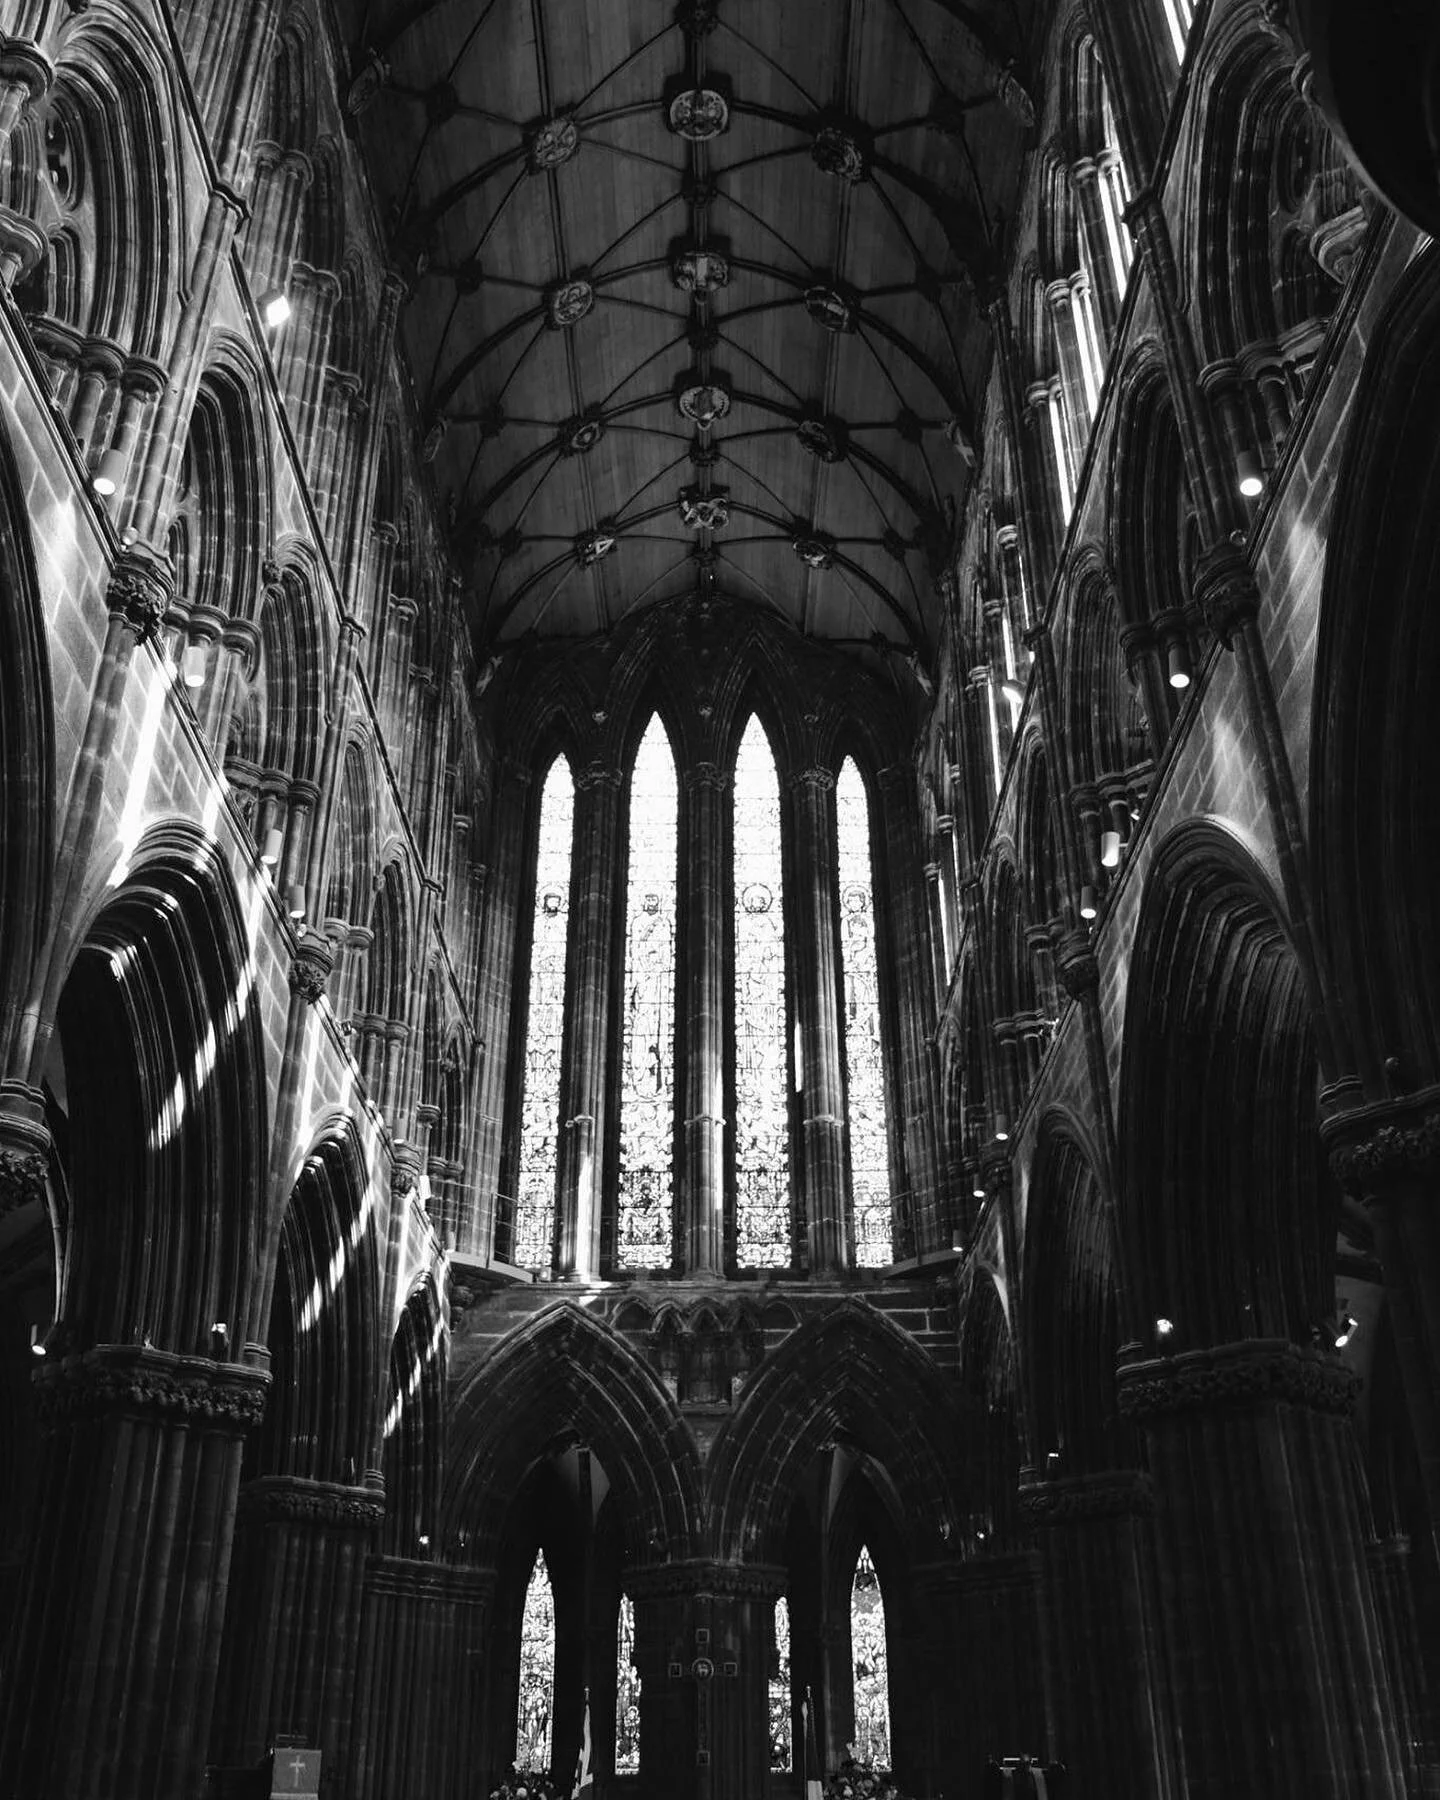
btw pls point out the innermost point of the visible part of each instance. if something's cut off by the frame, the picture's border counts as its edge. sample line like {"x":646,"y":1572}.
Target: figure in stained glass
{"x":864,"y":1057}
{"x":536,"y":1707}
{"x":540,"y":1106}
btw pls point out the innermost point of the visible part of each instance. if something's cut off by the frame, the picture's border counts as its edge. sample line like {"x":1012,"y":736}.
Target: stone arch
{"x":165,"y":1076}
{"x":414,"y":1427}
{"x":1071,"y":1305}
{"x":563,"y":1378}
{"x":226,"y":483}
{"x":1227,"y":1207}
{"x":1373,"y":835}
{"x":853,"y":1373}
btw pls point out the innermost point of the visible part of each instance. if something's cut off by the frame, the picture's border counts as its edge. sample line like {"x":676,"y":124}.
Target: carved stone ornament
{"x":301,"y":1502}
{"x":1015,"y":99}
{"x":704,"y":403}
{"x":581,"y":434}
{"x":816,"y":549}
{"x":1226,"y":593}
{"x":1254,"y":1372}
{"x":825,"y":438}
{"x":698,"y":271}
{"x":433,"y":439}
{"x":837,"y":150}
{"x":140,"y":594}
{"x":827,"y":306}
{"x":741,"y":1581}
{"x":1391,"y":1150}
{"x":704,"y":512}
{"x":698,"y":18}
{"x":151,"y":1384}
{"x":1116,"y":1493}
{"x":699,"y":114}
{"x":567,"y":303}
{"x":552,"y":142}
{"x":373,"y":75}
{"x":1075,"y":964}
{"x":310,"y":970}
{"x":592,"y":546}
{"x":22,"y":1180}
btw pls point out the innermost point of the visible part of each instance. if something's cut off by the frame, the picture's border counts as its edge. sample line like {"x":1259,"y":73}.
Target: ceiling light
{"x":1002,"y":1128}
{"x":1088,"y":906}
{"x":109,"y":474}
{"x":1345,"y":1329}
{"x":1110,"y":849}
{"x":274,"y":844}
{"x":193,"y":666}
{"x":1251,"y":476}
{"x":274,"y":308}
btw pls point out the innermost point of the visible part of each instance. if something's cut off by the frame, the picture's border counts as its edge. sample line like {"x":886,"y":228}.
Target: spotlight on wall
{"x":1110,"y":849}
{"x":977,"y":1192}
{"x":1002,"y":1128}
{"x":1345,"y":1329}
{"x":1164,"y":1333}
{"x":109,"y":474}
{"x":193,"y":666}
{"x":1088,"y":906}
{"x":274,"y":308}
{"x":1052,"y":1465}
{"x":1178,"y":663}
{"x":274,"y":844}
{"x":219,"y":1340}
{"x":37,"y":1341}
{"x":295,"y":901}
{"x":1250,"y":475}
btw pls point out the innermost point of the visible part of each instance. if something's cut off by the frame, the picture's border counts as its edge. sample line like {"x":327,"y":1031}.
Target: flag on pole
{"x":813,"y":1790}
{"x":584,"y":1788}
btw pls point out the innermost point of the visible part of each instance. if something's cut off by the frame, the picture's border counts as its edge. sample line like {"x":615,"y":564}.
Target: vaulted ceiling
{"x":695,"y":291}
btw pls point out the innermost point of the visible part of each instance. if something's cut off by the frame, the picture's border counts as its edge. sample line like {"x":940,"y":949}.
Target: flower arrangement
{"x":859,"y":1781}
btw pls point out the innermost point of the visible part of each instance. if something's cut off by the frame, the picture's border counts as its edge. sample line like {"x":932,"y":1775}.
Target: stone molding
{"x":1226,"y":593}
{"x":431,"y":1581}
{"x":151,"y":1384}
{"x":295,"y":1500}
{"x":1255,"y":1372}
{"x":729,"y":1581}
{"x":310,"y":970}
{"x":1110,"y":1494}
{"x":140,"y":595}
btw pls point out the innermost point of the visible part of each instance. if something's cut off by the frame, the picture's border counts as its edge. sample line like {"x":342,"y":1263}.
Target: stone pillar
{"x":702,"y":1638}
{"x":817,"y":995}
{"x":985,"y":1690}
{"x":116,"y":1640}
{"x":1085,"y":184}
{"x":702,"y":961}
{"x":295,"y":1627}
{"x":1106,"y":1693}
{"x":1280,"y":1680}
{"x":593,"y":950}
{"x":1075,"y":410}
{"x":420,"y":1687}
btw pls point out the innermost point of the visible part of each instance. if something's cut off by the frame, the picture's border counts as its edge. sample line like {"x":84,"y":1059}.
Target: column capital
{"x":1375,"y":1148}
{"x":140,"y":592}
{"x":310,"y":970}
{"x":154,"y":1384}
{"x":1226,"y":593}
{"x":707,"y":777}
{"x":599,"y":776}
{"x":816,"y":778}
{"x":1076,"y":1499}
{"x":1254,"y":1371}
{"x":295,"y":1500}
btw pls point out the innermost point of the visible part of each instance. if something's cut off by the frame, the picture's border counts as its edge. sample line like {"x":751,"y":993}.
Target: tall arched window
{"x":762,"y":1080}
{"x":864,"y":1058}
{"x":645,"y":1239}
{"x":536,"y":1709}
{"x":1179,"y":16}
{"x":627,"y":1692}
{"x":545,"y":1028}
{"x":780,"y":1704}
{"x":868,"y":1661}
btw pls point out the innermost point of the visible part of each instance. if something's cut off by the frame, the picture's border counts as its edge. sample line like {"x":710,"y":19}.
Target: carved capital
{"x":140,"y":593}
{"x":1375,"y":1148}
{"x":707,"y":777}
{"x":1226,"y":593}
{"x":1115,"y":1493}
{"x":1254,"y":1372}
{"x":311,"y":968}
{"x":599,"y":777}
{"x":322,"y":1503}
{"x":151,"y":1384}
{"x":738,"y":1581}
{"x":1076,"y":966}
{"x":22,"y":1179}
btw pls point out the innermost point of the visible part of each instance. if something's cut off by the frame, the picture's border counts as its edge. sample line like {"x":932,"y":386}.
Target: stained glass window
{"x":762,"y":1085}
{"x":647,"y":1104}
{"x":537,"y":1673}
{"x":867,"y":1654}
{"x":540,"y":1111}
{"x":780,"y":1720}
{"x":627,"y":1693}
{"x":864,"y":1060}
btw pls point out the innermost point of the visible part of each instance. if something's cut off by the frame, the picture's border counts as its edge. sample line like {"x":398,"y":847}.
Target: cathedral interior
{"x":719,"y":963}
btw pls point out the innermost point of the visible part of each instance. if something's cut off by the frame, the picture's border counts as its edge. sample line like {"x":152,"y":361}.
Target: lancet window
{"x":762,"y":1083}
{"x":781,"y":1751}
{"x":536,"y":1708}
{"x":627,"y":1692}
{"x":868,"y":1661}
{"x":647,"y":1106}
{"x":1179,"y":17}
{"x":540,"y":1105}
{"x":864,"y":1055}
